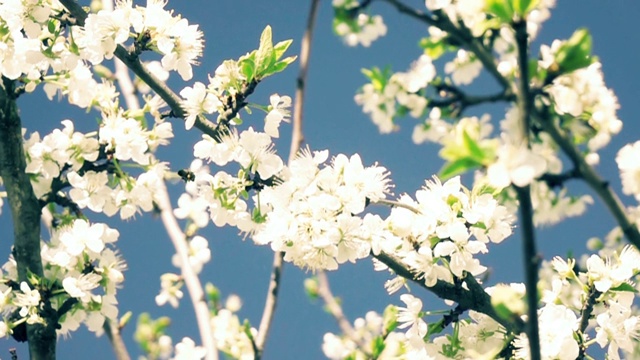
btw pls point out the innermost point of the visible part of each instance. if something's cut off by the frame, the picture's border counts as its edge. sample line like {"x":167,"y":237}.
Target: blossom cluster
{"x":360,"y":29}
{"x":469,"y":142}
{"x":313,"y":210}
{"x":82,"y":160}
{"x":34,"y":41}
{"x":582,"y":99}
{"x":232,"y":337}
{"x":379,"y":98}
{"x":444,"y":228}
{"x":313,"y":215}
{"x":627,"y":160}
{"x":81,"y":268}
{"x":611,"y":323}
{"x":364,"y":341}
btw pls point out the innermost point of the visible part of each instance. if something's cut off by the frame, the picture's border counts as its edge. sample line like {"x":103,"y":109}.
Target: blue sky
{"x":332,"y":121}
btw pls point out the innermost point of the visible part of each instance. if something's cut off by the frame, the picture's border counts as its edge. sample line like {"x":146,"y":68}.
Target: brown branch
{"x":460,"y":33}
{"x":297,"y":136}
{"x":130,"y":58}
{"x":591,"y":177}
{"x":25,"y":211}
{"x":269,"y":305}
{"x":475,"y":298}
{"x":334,"y":308}
{"x":115,"y":338}
{"x":531,"y":259}
{"x":191,"y":280}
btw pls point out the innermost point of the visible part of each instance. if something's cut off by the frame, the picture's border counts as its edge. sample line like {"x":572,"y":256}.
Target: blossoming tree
{"x":317,"y":210}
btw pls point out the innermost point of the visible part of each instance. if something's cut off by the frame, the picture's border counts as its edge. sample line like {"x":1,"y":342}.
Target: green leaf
{"x":502,"y":9}
{"x":434,"y":48}
{"x":378,"y":347}
{"x":281,"y":47}
{"x":248,"y":68}
{"x":389,"y":319}
{"x":435,"y":328}
{"x":213,"y":295}
{"x":471,"y":145}
{"x":457,"y":167}
{"x":51,"y":26}
{"x":265,"y":56}
{"x":523,"y":7}
{"x":311,"y":287}
{"x":266,"y":38}
{"x":535,"y":71}
{"x":276,"y":68}
{"x":624,"y":287}
{"x":503,"y":311}
{"x":288,"y":60}
{"x":576,"y":52}
{"x":377,"y":77}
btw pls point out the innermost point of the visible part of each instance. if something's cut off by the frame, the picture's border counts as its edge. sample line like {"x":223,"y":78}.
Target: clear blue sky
{"x":333,"y":121}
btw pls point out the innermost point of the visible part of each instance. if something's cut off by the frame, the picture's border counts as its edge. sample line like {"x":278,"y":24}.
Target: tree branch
{"x":475,"y":298}
{"x":461,"y":34}
{"x":466,"y":101}
{"x":592,"y":178}
{"x":324,"y":291}
{"x":25,"y":210}
{"x":297,"y":136}
{"x":531,"y":259}
{"x":117,"y":344}
{"x":269,"y":304}
{"x":133,"y":62}
{"x":191,"y":280}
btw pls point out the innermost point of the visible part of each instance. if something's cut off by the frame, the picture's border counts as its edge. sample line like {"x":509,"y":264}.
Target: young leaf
{"x":473,"y":149}
{"x":289,"y":59}
{"x":281,"y":47}
{"x":378,"y":346}
{"x":576,"y":52}
{"x":500,"y":8}
{"x":523,"y":7}
{"x":265,"y":57}
{"x":276,"y":68}
{"x":248,"y":68}
{"x":435,"y":327}
{"x":434,"y":48}
{"x":457,"y":167}
{"x":624,"y":287}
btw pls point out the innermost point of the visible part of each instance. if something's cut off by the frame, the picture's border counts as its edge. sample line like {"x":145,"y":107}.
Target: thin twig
{"x":592,"y":178}
{"x":191,"y":280}
{"x":587,"y":308}
{"x":297,"y":138}
{"x":115,"y":338}
{"x":324,"y":291}
{"x":466,"y":101}
{"x":585,"y":315}
{"x":531,"y":260}
{"x":397,"y":204}
{"x":269,"y":304}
